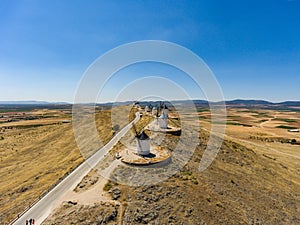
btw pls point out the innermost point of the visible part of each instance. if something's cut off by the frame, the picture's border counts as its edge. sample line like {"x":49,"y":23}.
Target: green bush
{"x":286,"y":127}
{"x":107,"y":186}
{"x":116,"y":127}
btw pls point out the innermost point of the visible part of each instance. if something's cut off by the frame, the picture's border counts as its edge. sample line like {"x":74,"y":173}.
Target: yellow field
{"x":35,"y":155}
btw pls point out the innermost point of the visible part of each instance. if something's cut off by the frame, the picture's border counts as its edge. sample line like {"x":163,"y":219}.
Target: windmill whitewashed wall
{"x":143,"y":144}
{"x":163,"y":119}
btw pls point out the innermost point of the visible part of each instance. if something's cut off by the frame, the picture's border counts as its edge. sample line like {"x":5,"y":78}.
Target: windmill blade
{"x":134,"y":128}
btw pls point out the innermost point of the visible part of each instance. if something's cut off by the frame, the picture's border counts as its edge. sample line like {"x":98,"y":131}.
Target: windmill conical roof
{"x":142,"y":136}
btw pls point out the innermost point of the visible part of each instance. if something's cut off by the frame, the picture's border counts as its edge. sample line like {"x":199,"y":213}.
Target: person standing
{"x":32,"y":221}
{"x":26,"y":222}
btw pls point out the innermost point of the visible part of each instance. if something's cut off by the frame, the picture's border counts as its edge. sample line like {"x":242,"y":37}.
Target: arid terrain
{"x":255,"y":178}
{"x":37,"y":149}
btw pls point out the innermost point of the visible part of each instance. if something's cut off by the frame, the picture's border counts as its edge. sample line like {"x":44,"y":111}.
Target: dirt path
{"x":95,"y":194}
{"x":263,"y":124}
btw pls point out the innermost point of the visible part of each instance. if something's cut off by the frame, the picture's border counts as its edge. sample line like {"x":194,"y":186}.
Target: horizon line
{"x":20,"y":102}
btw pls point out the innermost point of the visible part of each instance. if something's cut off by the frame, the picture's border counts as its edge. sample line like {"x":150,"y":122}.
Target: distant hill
{"x":31,"y":102}
{"x":263,"y":104}
{"x":248,"y":102}
{"x":290,"y":103}
{"x":251,"y":103}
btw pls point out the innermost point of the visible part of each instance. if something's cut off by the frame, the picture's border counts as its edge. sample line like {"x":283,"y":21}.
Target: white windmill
{"x":163,"y":118}
{"x":147,"y":109}
{"x":136,"y":104}
{"x":142,"y":142}
{"x":154,"y":111}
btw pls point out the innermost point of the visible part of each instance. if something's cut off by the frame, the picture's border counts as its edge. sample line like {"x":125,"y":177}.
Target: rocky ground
{"x":88,"y":181}
{"x":240,"y":187}
{"x":73,"y":213}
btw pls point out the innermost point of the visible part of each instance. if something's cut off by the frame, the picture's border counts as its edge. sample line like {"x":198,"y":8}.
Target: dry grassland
{"x":35,"y":155}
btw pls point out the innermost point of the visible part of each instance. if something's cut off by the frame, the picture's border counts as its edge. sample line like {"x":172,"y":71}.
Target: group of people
{"x":30,"y":222}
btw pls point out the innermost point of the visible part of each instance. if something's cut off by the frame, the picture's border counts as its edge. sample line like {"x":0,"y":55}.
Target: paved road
{"x":43,"y":208}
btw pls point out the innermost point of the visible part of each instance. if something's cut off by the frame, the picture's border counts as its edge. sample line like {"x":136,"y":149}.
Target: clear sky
{"x":252,"y":46}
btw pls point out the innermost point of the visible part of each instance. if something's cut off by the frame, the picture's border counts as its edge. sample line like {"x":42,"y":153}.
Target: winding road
{"x":41,"y":210}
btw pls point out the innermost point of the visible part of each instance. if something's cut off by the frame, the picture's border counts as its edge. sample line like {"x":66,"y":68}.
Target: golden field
{"x":36,"y":153}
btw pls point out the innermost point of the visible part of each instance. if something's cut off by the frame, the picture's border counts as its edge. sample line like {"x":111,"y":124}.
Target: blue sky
{"x":253,"y":47}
